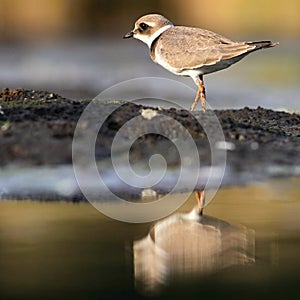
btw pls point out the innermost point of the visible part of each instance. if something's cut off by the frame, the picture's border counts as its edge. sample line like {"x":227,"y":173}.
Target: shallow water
{"x":66,"y":250}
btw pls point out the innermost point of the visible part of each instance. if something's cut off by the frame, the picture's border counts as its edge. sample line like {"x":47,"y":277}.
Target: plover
{"x":189,"y":51}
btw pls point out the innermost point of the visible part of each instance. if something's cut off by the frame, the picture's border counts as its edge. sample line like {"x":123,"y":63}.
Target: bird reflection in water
{"x":189,"y":244}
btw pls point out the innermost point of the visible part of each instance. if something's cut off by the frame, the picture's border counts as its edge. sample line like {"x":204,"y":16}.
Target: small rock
{"x":149,"y":113}
{"x":149,"y":194}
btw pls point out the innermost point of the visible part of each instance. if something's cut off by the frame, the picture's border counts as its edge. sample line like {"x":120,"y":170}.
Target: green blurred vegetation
{"x":51,"y":19}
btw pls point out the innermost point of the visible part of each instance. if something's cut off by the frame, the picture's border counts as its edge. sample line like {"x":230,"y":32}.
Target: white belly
{"x":181,"y":72}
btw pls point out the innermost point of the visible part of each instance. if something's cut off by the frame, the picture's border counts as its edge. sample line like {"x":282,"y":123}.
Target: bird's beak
{"x":128,"y":35}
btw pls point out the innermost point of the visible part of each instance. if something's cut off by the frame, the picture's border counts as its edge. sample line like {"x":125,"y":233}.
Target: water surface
{"x":66,"y":250}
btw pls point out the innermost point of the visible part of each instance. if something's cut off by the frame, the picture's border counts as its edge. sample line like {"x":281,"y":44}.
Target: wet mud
{"x":37,"y":127}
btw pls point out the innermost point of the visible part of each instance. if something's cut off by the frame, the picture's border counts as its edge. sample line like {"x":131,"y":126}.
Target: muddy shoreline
{"x":37,"y":127}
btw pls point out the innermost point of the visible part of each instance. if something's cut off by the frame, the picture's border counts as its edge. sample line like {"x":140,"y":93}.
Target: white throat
{"x":149,"y":39}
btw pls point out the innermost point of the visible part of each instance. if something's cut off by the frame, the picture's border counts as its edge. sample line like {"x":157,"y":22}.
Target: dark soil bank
{"x":37,"y":127}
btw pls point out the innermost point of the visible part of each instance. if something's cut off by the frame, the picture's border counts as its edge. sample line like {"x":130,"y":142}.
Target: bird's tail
{"x":262,"y":44}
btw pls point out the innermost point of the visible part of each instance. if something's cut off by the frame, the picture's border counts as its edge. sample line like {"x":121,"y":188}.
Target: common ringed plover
{"x":189,"y":51}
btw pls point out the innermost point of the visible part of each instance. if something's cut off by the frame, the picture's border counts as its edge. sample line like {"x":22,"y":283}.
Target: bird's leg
{"x":200,"y":196}
{"x":200,"y":94}
{"x":203,"y":97}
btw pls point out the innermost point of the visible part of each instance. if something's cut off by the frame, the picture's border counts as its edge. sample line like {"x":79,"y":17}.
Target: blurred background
{"x":75,"y":47}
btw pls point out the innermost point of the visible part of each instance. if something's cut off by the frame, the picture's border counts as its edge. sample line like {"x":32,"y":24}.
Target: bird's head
{"x":149,"y":27}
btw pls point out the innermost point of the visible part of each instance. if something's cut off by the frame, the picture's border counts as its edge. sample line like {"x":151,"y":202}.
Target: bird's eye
{"x":144,"y":26}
